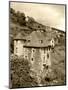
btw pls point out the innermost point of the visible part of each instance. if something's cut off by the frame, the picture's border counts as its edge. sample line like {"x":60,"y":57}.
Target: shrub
{"x":19,"y":73}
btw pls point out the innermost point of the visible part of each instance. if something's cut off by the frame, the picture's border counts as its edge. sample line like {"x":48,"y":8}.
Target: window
{"x":38,"y":26}
{"x":24,"y":41}
{"x":41,"y":41}
{"x":45,"y":66}
{"x":32,"y":59}
{"x":47,"y":55}
{"x":25,"y":57}
{"x":28,"y":40}
{"x":33,"y":50}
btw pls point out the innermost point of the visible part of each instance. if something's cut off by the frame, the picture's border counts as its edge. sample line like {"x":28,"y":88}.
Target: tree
{"x":12,"y":11}
{"x":17,"y":17}
{"x":21,"y":18}
{"x":20,"y":73}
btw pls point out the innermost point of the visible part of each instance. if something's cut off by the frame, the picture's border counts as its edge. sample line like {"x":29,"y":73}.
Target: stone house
{"x":36,"y":48}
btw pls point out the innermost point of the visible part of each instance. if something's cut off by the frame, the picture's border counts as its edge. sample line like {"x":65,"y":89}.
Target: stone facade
{"x":39,"y":56}
{"x":18,"y":47}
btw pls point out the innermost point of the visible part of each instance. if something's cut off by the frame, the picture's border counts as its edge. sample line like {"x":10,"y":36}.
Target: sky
{"x":46,"y":14}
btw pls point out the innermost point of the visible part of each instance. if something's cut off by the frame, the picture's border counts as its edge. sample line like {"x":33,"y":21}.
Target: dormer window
{"x":28,"y":40}
{"x":24,"y":41}
{"x":38,"y":26}
{"x":41,"y":41}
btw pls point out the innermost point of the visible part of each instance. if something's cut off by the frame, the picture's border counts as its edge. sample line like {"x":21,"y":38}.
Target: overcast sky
{"x":47,"y":14}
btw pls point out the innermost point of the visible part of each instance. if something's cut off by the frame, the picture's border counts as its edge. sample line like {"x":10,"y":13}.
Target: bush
{"x":19,"y":73}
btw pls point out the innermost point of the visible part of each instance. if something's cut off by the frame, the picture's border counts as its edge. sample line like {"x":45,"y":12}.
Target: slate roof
{"x":37,"y":39}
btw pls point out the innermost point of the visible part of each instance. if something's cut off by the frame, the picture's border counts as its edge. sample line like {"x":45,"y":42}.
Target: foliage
{"x":19,"y":73}
{"x":20,"y":68}
{"x":17,"y":17}
{"x":57,"y":74}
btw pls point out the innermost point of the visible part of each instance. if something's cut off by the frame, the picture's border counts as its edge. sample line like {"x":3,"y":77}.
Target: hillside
{"x":19,"y":24}
{"x":25,"y":25}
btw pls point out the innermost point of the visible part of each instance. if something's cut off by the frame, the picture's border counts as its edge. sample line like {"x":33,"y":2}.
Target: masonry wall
{"x":18,"y":47}
{"x":45,"y":56}
{"x":38,"y":57}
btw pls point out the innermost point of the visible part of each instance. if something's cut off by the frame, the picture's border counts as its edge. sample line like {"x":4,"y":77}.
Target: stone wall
{"x":39,"y":58}
{"x":18,"y":47}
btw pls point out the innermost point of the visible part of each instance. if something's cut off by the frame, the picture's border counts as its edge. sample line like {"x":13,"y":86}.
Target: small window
{"x":38,"y":26}
{"x":32,"y":59}
{"x":28,"y":40}
{"x":24,"y":41}
{"x":47,"y":55}
{"x":41,"y":41}
{"x":33,"y":50}
{"x":46,"y":66}
{"x":25,"y":57}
